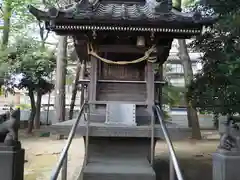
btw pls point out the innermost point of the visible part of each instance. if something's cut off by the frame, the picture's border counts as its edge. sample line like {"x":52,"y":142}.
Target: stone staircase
{"x":118,"y":159}
{"x":140,"y":170}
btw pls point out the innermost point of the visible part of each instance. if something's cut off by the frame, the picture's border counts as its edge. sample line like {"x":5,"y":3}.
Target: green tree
{"x":188,"y":74}
{"x":170,"y":95}
{"x":18,"y":8}
{"x":216,"y":89}
{"x":17,"y":19}
{"x":166,"y":94}
{"x":35,"y":63}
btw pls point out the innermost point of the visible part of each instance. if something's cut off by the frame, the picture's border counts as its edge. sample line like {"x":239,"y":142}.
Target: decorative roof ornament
{"x":93,"y":2}
{"x":53,"y":12}
{"x":163,"y":6}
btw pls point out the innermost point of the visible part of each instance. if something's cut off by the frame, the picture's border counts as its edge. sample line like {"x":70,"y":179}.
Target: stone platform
{"x":225,"y":165}
{"x":116,"y":151}
{"x":104,"y":130}
{"x":11,"y":162}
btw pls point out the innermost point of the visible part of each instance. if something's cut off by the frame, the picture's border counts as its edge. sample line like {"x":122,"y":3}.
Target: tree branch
{"x":47,"y":34}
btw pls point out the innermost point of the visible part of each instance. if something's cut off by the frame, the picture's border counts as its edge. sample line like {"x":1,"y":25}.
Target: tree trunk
{"x":61,"y":79}
{"x":188,"y":76}
{"x":38,"y":110}
{"x":49,"y":100}
{"x":74,"y":90}
{"x":33,"y":111}
{"x":7,"y":12}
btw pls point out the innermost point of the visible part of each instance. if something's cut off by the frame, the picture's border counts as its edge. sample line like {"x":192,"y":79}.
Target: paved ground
{"x":42,"y":155}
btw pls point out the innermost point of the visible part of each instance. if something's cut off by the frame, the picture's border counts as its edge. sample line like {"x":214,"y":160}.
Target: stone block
{"x":226,"y":166}
{"x":118,"y":171}
{"x":11,"y":162}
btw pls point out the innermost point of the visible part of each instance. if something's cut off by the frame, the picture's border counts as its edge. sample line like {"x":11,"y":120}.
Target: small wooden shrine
{"x":123,"y":40}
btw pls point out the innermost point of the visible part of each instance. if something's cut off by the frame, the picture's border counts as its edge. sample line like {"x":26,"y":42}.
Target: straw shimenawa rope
{"x":146,"y":57}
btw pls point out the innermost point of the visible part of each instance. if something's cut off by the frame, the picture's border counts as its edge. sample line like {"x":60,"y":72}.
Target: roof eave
{"x":40,"y":15}
{"x":209,"y":21}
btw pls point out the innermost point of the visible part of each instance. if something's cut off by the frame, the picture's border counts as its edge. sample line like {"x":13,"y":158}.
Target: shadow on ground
{"x":192,"y":169}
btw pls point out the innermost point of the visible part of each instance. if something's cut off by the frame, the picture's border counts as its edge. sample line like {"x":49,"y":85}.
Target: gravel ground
{"x":42,"y":155}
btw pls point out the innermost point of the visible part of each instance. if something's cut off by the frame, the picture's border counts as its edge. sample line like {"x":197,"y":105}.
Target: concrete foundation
{"x":11,"y":162}
{"x":226,"y":166}
{"x":102,"y":130}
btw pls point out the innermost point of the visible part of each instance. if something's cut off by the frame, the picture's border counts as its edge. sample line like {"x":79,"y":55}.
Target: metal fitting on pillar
{"x":140,"y":41}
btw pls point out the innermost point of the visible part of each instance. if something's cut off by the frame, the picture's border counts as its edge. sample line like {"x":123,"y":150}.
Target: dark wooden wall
{"x":121,"y":92}
{"x":119,"y":89}
{"x":132,"y":72}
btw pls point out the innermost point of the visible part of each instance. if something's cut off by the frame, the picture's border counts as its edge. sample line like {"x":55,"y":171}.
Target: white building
{"x":174,"y":66}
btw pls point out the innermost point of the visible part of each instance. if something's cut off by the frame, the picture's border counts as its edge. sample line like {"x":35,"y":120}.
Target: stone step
{"x":118,"y":171}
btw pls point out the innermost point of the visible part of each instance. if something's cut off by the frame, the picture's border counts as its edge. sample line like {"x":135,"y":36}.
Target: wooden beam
{"x":84,"y":81}
{"x":121,"y":49}
{"x":124,"y":102}
{"x":121,"y":81}
{"x":87,"y":81}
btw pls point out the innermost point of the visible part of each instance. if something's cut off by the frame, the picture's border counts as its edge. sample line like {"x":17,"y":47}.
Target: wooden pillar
{"x":150,"y":85}
{"x":61,"y":79}
{"x":82,"y":76}
{"x":93,"y":79}
{"x":150,"y":103}
{"x":74,"y":89}
{"x":160,"y":86}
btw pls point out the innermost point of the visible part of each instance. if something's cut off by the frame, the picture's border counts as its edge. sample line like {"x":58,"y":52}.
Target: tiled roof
{"x":150,"y":12}
{"x":130,"y":11}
